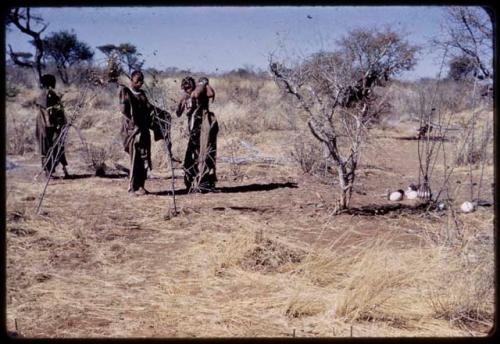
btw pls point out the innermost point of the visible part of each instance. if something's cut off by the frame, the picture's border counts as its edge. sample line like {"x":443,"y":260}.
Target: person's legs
{"x":190,"y":164}
{"x":48,"y":160}
{"x":142,"y":175}
{"x":64,"y":162}
{"x":139,"y":172}
{"x":132,"y":186}
{"x":209,"y":176}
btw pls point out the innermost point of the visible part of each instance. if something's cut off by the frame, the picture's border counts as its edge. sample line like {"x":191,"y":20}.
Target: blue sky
{"x":210,"y":39}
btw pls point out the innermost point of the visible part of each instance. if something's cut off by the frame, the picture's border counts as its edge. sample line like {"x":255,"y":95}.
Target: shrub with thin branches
{"x":20,"y":137}
{"x":308,"y":155}
{"x":474,"y":152}
{"x":96,"y":157}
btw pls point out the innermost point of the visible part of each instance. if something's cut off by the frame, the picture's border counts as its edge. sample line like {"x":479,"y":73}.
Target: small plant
{"x":477,"y":151}
{"x":307,"y":155}
{"x":97,"y":156}
{"x":19,"y":137}
{"x":234,"y":166}
{"x":97,"y":159}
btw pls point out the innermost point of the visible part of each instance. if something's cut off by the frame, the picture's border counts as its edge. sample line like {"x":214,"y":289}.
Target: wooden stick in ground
{"x":59,"y":143}
{"x":58,"y":146}
{"x":169,"y":154}
{"x":165,"y":125}
{"x":82,"y":101}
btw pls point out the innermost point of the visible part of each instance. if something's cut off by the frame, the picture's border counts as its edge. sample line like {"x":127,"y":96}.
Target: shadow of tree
{"x":256,"y":187}
{"x":415,"y":138}
{"x":397,"y":209}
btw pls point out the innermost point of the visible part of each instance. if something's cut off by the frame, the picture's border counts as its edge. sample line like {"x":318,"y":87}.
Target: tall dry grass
{"x":119,"y":269}
{"x":411,"y":290}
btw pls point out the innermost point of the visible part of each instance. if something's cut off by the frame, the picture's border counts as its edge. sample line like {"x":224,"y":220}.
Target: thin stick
{"x":69,"y":124}
{"x":58,"y":145}
{"x":165,"y":128}
{"x":470,"y":154}
{"x":169,"y":153}
{"x":58,"y":155}
{"x":485,"y":133}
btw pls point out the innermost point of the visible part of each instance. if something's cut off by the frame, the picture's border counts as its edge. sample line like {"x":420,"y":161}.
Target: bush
{"x":96,"y":157}
{"x":308,"y":154}
{"x":20,"y":77}
{"x":411,"y":100}
{"x":474,"y":153}
{"x":20,"y":136}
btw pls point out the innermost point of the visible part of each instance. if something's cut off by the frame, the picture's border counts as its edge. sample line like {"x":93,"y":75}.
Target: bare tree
{"x":468,"y":48}
{"x":469,"y":33}
{"x":24,"y":21}
{"x":337,"y":90}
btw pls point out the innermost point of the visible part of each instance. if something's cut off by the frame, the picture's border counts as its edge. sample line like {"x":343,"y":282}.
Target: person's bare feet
{"x":66,"y":174}
{"x":142,"y":191}
{"x":139,"y":192}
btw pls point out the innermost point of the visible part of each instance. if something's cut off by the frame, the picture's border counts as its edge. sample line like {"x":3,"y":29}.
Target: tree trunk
{"x":38,"y":56}
{"x":17,"y":19}
{"x":63,"y":74}
{"x":345,"y":186}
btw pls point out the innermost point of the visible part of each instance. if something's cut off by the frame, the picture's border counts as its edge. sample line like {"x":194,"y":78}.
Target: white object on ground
{"x":411,"y":194}
{"x":396,"y":195}
{"x":441,"y":206}
{"x":467,"y":207}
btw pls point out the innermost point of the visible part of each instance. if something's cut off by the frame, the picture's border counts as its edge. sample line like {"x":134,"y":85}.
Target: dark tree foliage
{"x":125,"y":53}
{"x":462,"y":68}
{"x":65,"y":50}
{"x":469,"y":32}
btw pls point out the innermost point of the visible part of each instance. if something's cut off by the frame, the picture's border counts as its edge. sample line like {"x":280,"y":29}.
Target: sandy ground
{"x":98,"y":263}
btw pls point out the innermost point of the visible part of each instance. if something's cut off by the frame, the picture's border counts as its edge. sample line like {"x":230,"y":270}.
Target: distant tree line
{"x":468,"y":39}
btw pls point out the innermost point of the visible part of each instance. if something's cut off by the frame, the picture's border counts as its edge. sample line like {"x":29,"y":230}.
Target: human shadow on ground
{"x":235,"y":189}
{"x":90,"y":175}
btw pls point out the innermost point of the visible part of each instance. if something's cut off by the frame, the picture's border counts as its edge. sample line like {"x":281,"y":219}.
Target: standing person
{"x":139,"y":116}
{"x":49,"y":124}
{"x":199,"y":161}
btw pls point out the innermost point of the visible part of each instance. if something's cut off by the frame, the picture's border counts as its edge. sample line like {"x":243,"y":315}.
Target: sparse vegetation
{"x":268,"y":255}
{"x":337,"y":90}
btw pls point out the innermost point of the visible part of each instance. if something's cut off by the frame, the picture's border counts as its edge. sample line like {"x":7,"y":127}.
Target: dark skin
{"x":195,"y":92}
{"x":137,"y":82}
{"x":195,"y":101}
{"x":180,"y":109}
{"x":50,"y":85}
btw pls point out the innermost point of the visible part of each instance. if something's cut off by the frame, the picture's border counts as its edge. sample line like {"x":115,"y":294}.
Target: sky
{"x":218,"y":39}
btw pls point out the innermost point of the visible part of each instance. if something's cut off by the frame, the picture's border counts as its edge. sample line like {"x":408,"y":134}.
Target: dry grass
{"x":259,"y":259}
